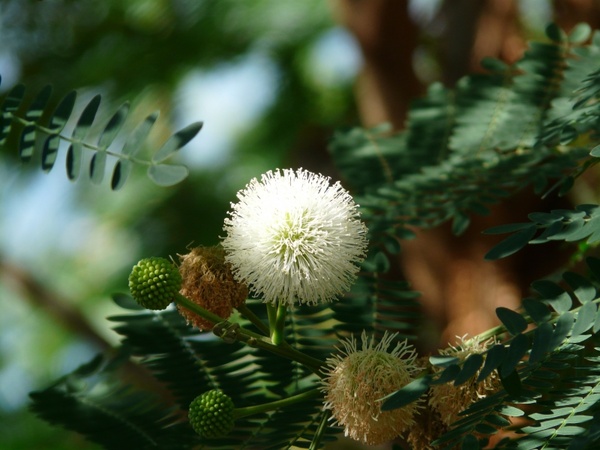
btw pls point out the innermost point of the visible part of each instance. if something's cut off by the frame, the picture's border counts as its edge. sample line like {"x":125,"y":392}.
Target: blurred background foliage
{"x":271,"y":80}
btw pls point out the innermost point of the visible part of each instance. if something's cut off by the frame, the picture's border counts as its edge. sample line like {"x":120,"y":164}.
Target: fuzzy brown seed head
{"x":427,"y":428}
{"x":208,"y":282}
{"x":449,"y":400}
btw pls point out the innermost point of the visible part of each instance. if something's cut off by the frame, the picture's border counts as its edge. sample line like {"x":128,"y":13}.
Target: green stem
{"x":83,"y":144}
{"x":272,"y":315}
{"x":254,"y":319}
{"x":265,"y":407}
{"x":196,"y":309}
{"x":315,"y":444}
{"x":278,"y":333}
{"x":251,"y":338}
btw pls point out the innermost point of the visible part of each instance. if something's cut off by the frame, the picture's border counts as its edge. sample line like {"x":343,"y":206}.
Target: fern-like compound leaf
{"x":57,"y":122}
{"x":38,"y":132}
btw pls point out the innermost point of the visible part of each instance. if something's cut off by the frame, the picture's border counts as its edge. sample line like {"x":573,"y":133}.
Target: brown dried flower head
{"x":450,"y":400}
{"x":428,"y":425}
{"x":357,"y":380}
{"x":208,"y":282}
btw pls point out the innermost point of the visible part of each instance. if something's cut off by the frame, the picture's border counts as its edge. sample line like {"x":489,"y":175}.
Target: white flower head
{"x":294,"y":237}
{"x":357,"y":380}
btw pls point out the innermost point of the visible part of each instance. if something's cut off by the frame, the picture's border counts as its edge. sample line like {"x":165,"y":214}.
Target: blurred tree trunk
{"x":387,"y":37}
{"x":460,"y":290}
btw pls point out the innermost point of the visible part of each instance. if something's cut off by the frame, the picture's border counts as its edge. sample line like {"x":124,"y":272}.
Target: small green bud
{"x":154,"y":282}
{"x":211,"y":414}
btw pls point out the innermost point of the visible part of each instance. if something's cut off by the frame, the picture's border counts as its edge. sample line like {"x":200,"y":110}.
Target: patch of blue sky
{"x":334,"y":58}
{"x":232,"y":96}
{"x":228,"y":98}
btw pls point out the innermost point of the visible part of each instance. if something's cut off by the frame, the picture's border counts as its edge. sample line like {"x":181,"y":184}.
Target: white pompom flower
{"x":294,"y":237}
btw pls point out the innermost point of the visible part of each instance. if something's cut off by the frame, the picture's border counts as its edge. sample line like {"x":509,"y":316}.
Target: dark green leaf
{"x":443,"y":360}
{"x":596,"y":326}
{"x":470,"y":442}
{"x":113,"y":126}
{"x":27,"y":143}
{"x":121,"y":172}
{"x":514,"y":322}
{"x":510,"y":228}
{"x":583,"y":289}
{"x":563,"y":327}
{"x":511,"y":244}
{"x":512,"y":383}
{"x":541,"y":342}
{"x":11,"y":104}
{"x":554,"y":32}
{"x":392,"y":245}
{"x":73,"y":161}
{"x":449,"y":374}
{"x":594,"y":266}
{"x":510,"y":411}
{"x":469,"y":369}
{"x":97,"y":167}
{"x":176,"y":141}
{"x":497,"y":420}
{"x":86,"y":119}
{"x":585,"y":318}
{"x":126,"y":301}
{"x":537,"y":310}
{"x":408,"y":394}
{"x":517,"y":349}
{"x":494,"y":64}
{"x":494,"y":357}
{"x":136,"y":139}
{"x":485,"y":429}
{"x":63,"y":111}
{"x":50,"y":152}
{"x":580,"y":33}
{"x":33,"y":115}
{"x":460,"y":223}
{"x":553,"y":295}
{"x":57,"y":122}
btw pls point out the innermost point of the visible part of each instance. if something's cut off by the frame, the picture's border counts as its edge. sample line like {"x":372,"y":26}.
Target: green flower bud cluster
{"x":211,"y":414}
{"x":154,"y":282}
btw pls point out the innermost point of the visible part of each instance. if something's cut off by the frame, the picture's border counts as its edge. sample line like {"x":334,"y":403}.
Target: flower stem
{"x":196,"y":309}
{"x":254,"y":319}
{"x":265,"y":407}
{"x":315,"y":444}
{"x":231,"y":331}
{"x":278,"y":332}
{"x":272,"y":315}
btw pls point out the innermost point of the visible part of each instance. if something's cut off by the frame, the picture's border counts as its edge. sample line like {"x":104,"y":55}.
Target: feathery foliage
{"x":528,"y":124}
{"x":467,"y":148}
{"x":37,"y":130}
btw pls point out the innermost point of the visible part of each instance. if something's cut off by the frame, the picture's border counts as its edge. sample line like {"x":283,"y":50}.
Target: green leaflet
{"x":37,"y":132}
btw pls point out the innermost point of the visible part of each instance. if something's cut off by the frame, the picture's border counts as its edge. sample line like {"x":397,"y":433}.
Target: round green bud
{"x":211,"y":414}
{"x":154,"y":282}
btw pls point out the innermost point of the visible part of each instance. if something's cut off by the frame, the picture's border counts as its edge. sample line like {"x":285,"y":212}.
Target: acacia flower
{"x":356,"y":381}
{"x":450,"y":400}
{"x":294,"y":237}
